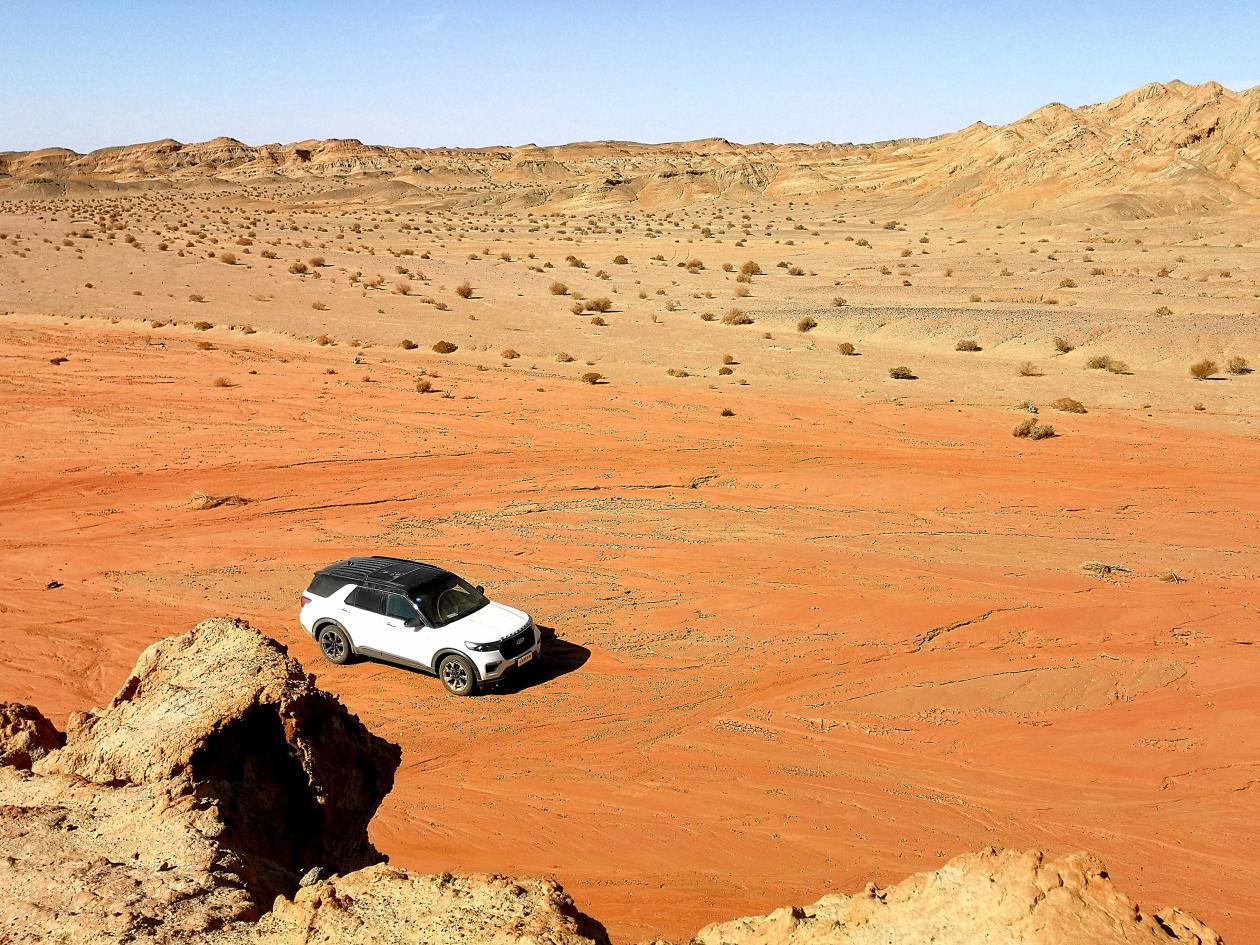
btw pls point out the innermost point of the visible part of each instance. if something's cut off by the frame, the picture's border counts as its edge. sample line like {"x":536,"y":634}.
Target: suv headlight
{"x":482,"y":647}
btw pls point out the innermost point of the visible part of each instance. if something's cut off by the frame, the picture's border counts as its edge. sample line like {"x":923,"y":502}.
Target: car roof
{"x":390,"y":574}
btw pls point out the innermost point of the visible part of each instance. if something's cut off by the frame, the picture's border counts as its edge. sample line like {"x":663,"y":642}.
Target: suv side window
{"x":400,"y":608}
{"x":324,"y":586}
{"x":365,"y":598}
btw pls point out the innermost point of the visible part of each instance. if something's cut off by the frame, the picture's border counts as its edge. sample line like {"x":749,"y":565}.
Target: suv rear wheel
{"x":457,"y":675}
{"x":334,"y":644}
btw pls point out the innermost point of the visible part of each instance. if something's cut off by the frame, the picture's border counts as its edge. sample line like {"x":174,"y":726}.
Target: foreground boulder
{"x":224,"y":710}
{"x":25,"y":735}
{"x":222,"y":799}
{"x":1003,"y":898}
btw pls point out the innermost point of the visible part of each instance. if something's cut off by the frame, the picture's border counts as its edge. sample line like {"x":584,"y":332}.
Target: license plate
{"x":525,"y":659}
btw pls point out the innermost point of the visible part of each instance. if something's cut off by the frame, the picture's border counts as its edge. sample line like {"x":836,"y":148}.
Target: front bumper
{"x":492,"y":667}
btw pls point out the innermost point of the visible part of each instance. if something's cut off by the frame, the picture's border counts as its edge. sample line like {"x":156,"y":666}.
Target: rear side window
{"x":367,"y":599}
{"x":325,"y":586}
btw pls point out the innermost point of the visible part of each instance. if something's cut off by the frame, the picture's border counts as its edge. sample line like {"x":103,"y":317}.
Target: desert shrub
{"x":403,"y":287}
{"x":724,"y":370}
{"x":445,"y":347}
{"x":973,"y":297}
{"x":196,"y":297}
{"x":1100,"y":362}
{"x":1029,"y":369}
{"x":577,"y":308}
{"x":317,"y":262}
{"x":592,"y":377}
{"x":1068,"y":405}
{"x":1237,"y":365}
{"x":407,"y":344}
{"x":228,"y":259}
{"x":967,"y":344}
{"x":323,"y":341}
{"x":201,"y":502}
{"x":847,"y":348}
{"x":1067,"y":283}
{"x":599,"y":305}
{"x":808,"y":323}
{"x":1117,"y":367}
{"x":598,"y":321}
{"x":222,"y":382}
{"x":737,"y":316}
{"x":464,"y":290}
{"x":693,"y":265}
{"x":1062,"y":345}
{"x":203,"y":326}
{"x":320,"y":306}
{"x":620,"y":261}
{"x":796,"y":271}
{"x":750,"y":269}
{"x":423,"y":385}
{"x":509,"y":354}
{"x":1163,"y":310}
{"x":727,"y":412}
{"x":677,"y":372}
{"x":559,"y":288}
{"x":564,"y":357}
{"x":1031,"y":429}
{"x":1203,"y":369}
{"x":298,"y":268}
{"x":901,"y":374}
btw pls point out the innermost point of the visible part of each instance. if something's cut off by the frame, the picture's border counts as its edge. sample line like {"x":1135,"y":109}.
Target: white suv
{"x":417,"y":615}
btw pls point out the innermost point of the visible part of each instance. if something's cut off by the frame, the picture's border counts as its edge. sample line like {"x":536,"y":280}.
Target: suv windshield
{"x":448,"y":599}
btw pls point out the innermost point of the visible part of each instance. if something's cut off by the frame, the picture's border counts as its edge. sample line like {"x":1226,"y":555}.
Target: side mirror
{"x":480,"y":589}
{"x":415,"y":623}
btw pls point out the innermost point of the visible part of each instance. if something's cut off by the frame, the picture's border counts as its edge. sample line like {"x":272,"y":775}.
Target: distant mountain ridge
{"x":1159,"y":149}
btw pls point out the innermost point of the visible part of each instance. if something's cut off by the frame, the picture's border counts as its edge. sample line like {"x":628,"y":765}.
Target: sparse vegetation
{"x":592,"y":377}
{"x":902,"y":373}
{"x":464,"y":290}
{"x":1068,"y":405}
{"x":1204,"y":369}
{"x":445,"y":347}
{"x":808,"y":323}
{"x":736,"y":316}
{"x":1237,"y":365}
{"x":1030,"y":428}
{"x":968,"y":344}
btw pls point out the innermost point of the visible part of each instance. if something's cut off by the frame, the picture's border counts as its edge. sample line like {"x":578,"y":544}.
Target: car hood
{"x":490,"y":624}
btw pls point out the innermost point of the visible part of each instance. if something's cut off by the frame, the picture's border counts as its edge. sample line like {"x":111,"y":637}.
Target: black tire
{"x":334,"y":644}
{"x":458,"y":675}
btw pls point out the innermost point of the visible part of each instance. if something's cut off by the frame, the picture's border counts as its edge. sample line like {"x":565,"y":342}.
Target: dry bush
{"x":320,"y":306}
{"x":1030,"y":429}
{"x":201,"y":501}
{"x":598,"y":321}
{"x":564,"y":357}
{"x":677,"y":372}
{"x":407,"y":344}
{"x":1068,"y":405}
{"x":693,"y":265}
{"x":974,"y":298}
{"x":1067,"y":283}
{"x":592,"y":377}
{"x":323,"y":341}
{"x":725,"y":371}
{"x":1100,"y":362}
{"x":847,"y":348}
{"x":796,"y":271}
{"x":559,"y":288}
{"x":508,"y":354}
{"x":599,"y":305}
{"x":222,"y":382}
{"x":968,"y":344}
{"x":737,"y":316}
{"x":1203,"y":369}
{"x":464,"y":290}
{"x":1029,"y":369}
{"x":577,"y":308}
{"x":729,"y":359}
{"x":445,"y":347}
{"x":196,"y":297}
{"x":750,"y":269}
{"x":317,"y":262}
{"x":228,"y":259}
{"x":203,"y":326}
{"x":808,"y":323}
{"x":727,"y":412}
{"x":424,"y":385}
{"x":902,"y":373}
{"x":1062,"y":345}
{"x":205,"y":346}
{"x":403,"y":287}
{"x":1237,"y":365}
{"x":620,"y":261}
{"x":298,"y":268}
{"x":1163,"y":310}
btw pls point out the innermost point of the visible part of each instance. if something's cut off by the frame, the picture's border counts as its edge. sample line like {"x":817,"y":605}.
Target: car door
{"x":363,"y":616}
{"x":407,"y":637}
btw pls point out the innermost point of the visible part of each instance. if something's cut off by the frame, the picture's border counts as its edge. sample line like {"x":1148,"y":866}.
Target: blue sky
{"x":87,"y":75}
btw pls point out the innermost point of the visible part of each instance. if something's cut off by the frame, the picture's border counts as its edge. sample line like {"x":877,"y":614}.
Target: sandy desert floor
{"x":843,"y":633}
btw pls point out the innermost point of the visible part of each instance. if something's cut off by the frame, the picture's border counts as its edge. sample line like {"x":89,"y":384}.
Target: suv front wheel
{"x":458,"y":675}
{"x":334,"y":644}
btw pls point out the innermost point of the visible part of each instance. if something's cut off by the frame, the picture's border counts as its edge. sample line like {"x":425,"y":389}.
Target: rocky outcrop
{"x":222,"y":799}
{"x":1000,"y":897}
{"x":25,"y":735}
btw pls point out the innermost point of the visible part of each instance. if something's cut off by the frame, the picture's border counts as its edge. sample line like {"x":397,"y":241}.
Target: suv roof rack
{"x":384,"y":573}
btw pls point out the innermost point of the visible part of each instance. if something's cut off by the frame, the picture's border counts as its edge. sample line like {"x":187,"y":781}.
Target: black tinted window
{"x":400,"y":608}
{"x":325,"y":586}
{"x":367,"y":599}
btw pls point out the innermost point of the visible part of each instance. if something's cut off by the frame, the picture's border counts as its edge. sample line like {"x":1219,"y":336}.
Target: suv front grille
{"x":518,"y":643}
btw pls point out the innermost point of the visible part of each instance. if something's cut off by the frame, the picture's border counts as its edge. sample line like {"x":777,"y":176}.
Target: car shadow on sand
{"x":557,"y":658}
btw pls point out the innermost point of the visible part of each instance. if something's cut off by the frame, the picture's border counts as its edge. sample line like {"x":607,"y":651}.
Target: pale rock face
{"x":1001,"y":898}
